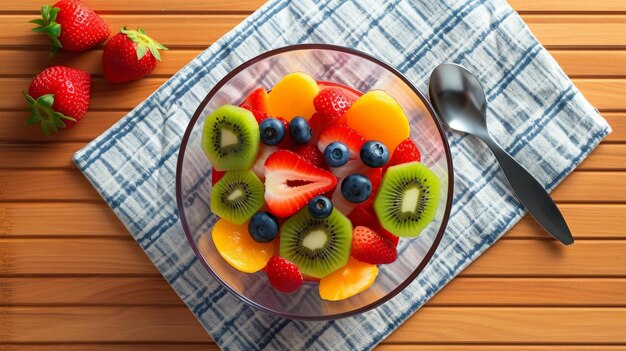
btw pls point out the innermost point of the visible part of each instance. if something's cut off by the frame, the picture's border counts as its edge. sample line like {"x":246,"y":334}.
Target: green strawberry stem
{"x":41,"y":112}
{"x":144,"y":43}
{"x":47,"y":24}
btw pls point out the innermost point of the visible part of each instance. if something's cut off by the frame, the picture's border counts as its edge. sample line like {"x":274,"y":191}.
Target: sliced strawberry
{"x":291,"y":181}
{"x":364,"y":215}
{"x":317,"y":125}
{"x":332,"y":103}
{"x":216,"y":176}
{"x":312,"y":154}
{"x":370,"y":247}
{"x":283,"y":274}
{"x":259,"y":115}
{"x":405,"y":152}
{"x":375,"y":175}
{"x":259,"y":165}
{"x":258,"y":100}
{"x":353,"y":141}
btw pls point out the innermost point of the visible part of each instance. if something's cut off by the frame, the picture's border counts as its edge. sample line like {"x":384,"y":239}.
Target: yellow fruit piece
{"x":293,"y":96}
{"x":238,"y":248}
{"x":348,"y":280}
{"x":378,"y":116}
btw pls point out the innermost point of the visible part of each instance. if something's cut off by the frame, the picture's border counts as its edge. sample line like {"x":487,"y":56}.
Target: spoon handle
{"x":532,"y":194}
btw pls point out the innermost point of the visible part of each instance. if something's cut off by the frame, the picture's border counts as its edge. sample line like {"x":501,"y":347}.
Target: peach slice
{"x":293,"y":96}
{"x":238,"y":248}
{"x":378,"y":116}
{"x":351,"y":279}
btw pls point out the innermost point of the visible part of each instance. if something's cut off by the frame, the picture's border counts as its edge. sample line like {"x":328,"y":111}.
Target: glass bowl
{"x":326,"y":63}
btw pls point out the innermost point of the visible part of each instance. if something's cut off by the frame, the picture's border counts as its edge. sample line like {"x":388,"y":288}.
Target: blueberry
{"x":356,"y":188}
{"x":300,"y":130}
{"x":320,"y":207}
{"x":263,"y":227}
{"x":374,"y":154}
{"x":272,"y":131}
{"x":336,"y":154}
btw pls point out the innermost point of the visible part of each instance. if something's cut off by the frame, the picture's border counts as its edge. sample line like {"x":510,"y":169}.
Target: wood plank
{"x":575,"y":63}
{"x":604,"y":94}
{"x":144,"y":6}
{"x":382,"y":347}
{"x":514,"y":325}
{"x":568,"y":31}
{"x":75,"y":291}
{"x":66,"y":219}
{"x":532,"y":292}
{"x":12,"y":128}
{"x":452,"y":324}
{"x":462,"y":291}
{"x":590,"y":63}
{"x":199,"y":30}
{"x":71,"y":185}
{"x":73,"y":256}
{"x":586,"y":221}
{"x":617,"y":121}
{"x":536,"y":258}
{"x":59,"y":155}
{"x":583,"y":6}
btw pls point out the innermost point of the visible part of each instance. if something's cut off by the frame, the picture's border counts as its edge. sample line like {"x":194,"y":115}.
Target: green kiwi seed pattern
{"x":237,"y":196}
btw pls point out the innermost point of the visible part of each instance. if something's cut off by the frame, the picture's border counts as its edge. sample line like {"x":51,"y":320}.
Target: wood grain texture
{"x":72,"y":278}
{"x":453,"y":324}
{"x":70,"y":184}
{"x":115,"y":256}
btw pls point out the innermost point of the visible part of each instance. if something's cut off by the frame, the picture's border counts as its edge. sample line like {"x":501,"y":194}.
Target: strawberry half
{"x":216,"y":175}
{"x":130,"y":55}
{"x":370,"y":247}
{"x":405,"y":152}
{"x":291,"y":181}
{"x":283,"y":275}
{"x":58,"y":97}
{"x":331,"y":103}
{"x":258,"y":100}
{"x":71,"y":25}
{"x":363,"y":215}
{"x":312,"y":154}
{"x":353,"y":141}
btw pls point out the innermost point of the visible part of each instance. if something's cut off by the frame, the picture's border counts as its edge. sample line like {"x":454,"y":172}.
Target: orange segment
{"x":293,"y":96}
{"x":238,"y":248}
{"x":378,"y":116}
{"x":348,"y":281}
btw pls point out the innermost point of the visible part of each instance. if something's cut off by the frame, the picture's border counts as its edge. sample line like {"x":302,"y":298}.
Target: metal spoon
{"x":459,"y":101}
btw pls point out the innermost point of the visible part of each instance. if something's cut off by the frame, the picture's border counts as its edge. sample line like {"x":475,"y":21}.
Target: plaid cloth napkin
{"x":534,"y":112}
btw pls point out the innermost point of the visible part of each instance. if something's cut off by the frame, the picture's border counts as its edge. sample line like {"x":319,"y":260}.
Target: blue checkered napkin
{"x":535,"y":113}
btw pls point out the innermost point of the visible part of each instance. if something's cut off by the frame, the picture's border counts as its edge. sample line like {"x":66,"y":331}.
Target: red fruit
{"x":291,"y":181}
{"x":216,"y":176}
{"x":258,"y":100}
{"x":71,"y":25}
{"x":258,"y":115}
{"x":375,"y":176}
{"x":283,"y":275}
{"x":331,"y":103}
{"x":312,"y":154}
{"x":363,"y":215}
{"x":317,"y":125}
{"x":58,"y":97}
{"x":369,"y":247}
{"x":130,"y":55}
{"x":351,"y":93}
{"x":405,"y":152}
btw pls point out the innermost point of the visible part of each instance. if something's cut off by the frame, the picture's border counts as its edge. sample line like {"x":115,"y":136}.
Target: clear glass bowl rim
{"x":313,"y":46}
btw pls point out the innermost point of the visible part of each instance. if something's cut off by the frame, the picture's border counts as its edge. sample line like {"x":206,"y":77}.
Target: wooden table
{"x":72,"y":278}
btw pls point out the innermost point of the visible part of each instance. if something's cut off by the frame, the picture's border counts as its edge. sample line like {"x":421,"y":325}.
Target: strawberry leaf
{"x":47,"y":24}
{"x":41,"y":113}
{"x":144,"y":43}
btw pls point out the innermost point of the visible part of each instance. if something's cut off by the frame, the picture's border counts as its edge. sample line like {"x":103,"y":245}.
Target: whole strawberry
{"x":71,"y":25}
{"x":58,"y":97}
{"x":283,"y":275}
{"x":130,"y":55}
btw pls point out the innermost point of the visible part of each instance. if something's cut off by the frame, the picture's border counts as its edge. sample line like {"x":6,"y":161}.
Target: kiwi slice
{"x":230,"y":138}
{"x":407,"y":199}
{"x":317,"y":246}
{"x":237,"y":196}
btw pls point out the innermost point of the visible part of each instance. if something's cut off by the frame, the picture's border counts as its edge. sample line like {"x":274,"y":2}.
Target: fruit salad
{"x":314,"y":181}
